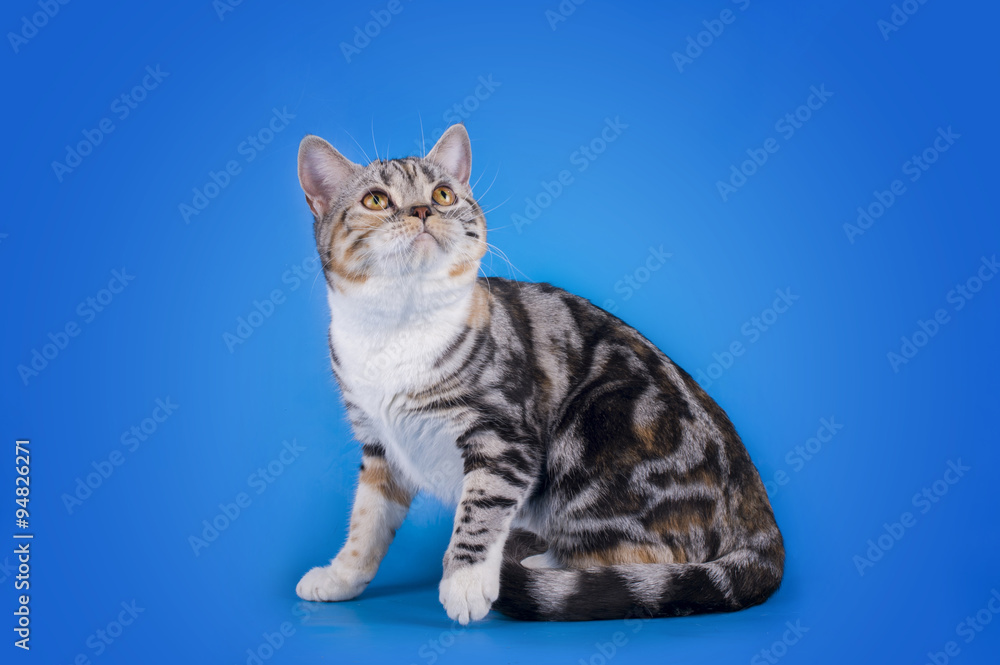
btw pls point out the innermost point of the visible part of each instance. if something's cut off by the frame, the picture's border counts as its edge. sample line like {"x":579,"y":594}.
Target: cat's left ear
{"x":322,"y":173}
{"x":453,"y":153}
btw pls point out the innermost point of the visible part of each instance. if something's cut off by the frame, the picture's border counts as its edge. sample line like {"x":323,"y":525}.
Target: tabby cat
{"x":593,"y":478}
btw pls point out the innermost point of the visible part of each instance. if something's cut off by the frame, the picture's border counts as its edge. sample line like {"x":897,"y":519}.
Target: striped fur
{"x":593,"y":478}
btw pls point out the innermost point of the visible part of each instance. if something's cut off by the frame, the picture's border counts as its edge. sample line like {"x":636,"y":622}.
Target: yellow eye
{"x":444,"y":196}
{"x":376,"y":201}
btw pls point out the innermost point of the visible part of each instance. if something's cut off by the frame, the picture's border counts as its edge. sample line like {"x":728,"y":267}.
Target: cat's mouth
{"x":425,"y":238}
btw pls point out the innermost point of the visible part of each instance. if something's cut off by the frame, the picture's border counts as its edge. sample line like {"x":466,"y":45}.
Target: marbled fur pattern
{"x":593,"y":477}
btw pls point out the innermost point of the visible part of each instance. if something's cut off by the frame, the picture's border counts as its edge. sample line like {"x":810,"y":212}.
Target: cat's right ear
{"x":322,"y":173}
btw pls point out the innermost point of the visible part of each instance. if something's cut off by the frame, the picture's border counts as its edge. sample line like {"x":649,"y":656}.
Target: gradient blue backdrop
{"x":553,"y":85}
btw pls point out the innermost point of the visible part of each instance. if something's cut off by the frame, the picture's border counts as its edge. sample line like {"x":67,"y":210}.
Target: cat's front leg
{"x":498,"y":478}
{"x":380,"y":506}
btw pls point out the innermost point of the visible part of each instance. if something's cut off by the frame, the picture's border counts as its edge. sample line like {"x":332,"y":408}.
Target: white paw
{"x":469,"y":591}
{"x":331,"y":583}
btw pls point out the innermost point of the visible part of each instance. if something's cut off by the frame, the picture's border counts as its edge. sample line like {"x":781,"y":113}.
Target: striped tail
{"x":739,"y":579}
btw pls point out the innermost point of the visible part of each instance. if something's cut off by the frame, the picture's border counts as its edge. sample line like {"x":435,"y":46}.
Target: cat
{"x":593,"y":477}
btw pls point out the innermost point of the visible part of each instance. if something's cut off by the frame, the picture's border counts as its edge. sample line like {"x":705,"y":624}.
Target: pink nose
{"x":420,"y":211}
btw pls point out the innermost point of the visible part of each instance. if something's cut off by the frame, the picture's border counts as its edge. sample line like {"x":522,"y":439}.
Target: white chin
{"x":426,"y":250}
{"x":425,"y":239}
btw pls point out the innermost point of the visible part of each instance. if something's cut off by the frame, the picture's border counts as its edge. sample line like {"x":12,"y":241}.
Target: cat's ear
{"x":453,"y":153}
{"x":322,"y":173}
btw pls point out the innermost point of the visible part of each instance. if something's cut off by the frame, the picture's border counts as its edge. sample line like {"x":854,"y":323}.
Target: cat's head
{"x":394,"y":219}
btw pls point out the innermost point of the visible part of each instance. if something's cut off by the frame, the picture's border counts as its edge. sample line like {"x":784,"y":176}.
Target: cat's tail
{"x":739,"y":579}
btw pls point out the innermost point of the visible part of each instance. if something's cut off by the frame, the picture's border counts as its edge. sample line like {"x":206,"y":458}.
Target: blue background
{"x":555,"y":83}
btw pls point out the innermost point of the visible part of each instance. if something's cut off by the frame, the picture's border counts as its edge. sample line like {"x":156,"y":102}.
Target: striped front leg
{"x":380,"y":506}
{"x":498,"y":478}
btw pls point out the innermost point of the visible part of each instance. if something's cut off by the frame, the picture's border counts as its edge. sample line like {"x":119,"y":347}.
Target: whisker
{"x":473,"y":185}
{"x":363,"y":151}
{"x":489,"y":287}
{"x":322,"y":271}
{"x":497,"y":206}
{"x":503,"y":255}
{"x":423,"y":144}
{"x":495,"y":176}
{"x":493,"y":254}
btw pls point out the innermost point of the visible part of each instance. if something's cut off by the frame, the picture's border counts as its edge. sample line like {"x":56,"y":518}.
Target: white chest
{"x":423,"y":448}
{"x":387,"y":343}
{"x":379,"y":374}
{"x":420,"y":445}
